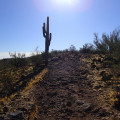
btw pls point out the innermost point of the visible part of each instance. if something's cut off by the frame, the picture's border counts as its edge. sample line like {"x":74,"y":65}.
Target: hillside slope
{"x":71,"y":90}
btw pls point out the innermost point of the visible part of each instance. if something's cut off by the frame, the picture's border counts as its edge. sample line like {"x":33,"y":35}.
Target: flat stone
{"x":14,"y":116}
{"x":83,"y":106}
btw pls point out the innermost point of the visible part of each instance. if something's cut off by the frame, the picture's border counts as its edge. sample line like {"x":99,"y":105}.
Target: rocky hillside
{"x":73,"y":86}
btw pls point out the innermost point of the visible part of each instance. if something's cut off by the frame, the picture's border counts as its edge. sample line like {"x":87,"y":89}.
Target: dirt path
{"x":67,"y":92}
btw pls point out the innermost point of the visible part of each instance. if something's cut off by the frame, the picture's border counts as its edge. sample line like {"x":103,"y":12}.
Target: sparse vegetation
{"x":110,"y":46}
{"x":15,"y":70}
{"x":18,"y":60}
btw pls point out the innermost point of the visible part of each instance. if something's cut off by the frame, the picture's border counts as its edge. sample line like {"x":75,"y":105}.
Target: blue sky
{"x":71,"y":22}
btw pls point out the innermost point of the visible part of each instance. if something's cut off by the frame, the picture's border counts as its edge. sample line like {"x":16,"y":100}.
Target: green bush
{"x":109,"y":44}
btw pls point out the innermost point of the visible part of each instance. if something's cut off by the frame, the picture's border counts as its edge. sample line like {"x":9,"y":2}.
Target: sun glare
{"x":66,"y":3}
{"x":62,"y":5}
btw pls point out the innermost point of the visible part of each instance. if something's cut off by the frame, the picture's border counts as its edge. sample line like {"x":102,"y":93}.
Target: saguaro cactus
{"x":48,"y":37}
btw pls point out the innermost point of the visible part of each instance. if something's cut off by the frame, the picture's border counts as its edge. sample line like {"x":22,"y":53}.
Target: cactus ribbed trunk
{"x":47,"y":37}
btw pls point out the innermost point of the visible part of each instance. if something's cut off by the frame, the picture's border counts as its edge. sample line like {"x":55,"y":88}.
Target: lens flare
{"x":65,"y":2}
{"x":63,"y":5}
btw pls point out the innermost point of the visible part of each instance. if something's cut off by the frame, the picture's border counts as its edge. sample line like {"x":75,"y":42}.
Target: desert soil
{"x":70,"y":90}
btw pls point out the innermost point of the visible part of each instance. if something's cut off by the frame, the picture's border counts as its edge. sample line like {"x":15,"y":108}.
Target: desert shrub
{"x":101,"y":45}
{"x":87,"y":48}
{"x":109,"y":44}
{"x":37,"y":59}
{"x":18,"y":60}
{"x":72,"y":48}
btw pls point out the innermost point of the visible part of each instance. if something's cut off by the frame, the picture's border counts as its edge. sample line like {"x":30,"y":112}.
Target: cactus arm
{"x":44,"y":31}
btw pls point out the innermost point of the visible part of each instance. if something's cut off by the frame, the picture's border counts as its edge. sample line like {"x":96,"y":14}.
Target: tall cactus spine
{"x":48,"y":37}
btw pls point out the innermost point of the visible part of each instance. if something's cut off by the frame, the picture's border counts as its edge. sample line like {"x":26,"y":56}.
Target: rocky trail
{"x":68,"y":91}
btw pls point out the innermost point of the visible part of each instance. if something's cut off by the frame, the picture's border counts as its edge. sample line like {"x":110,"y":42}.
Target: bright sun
{"x":65,"y":2}
{"x":62,"y":5}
